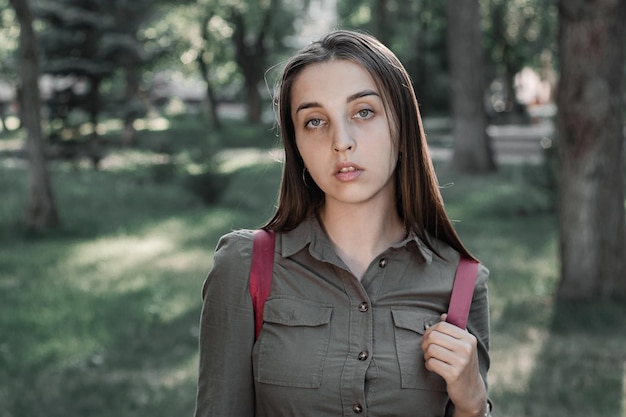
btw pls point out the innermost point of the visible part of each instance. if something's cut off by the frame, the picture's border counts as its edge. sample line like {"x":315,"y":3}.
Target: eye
{"x":364,"y":114}
{"x":313,"y":123}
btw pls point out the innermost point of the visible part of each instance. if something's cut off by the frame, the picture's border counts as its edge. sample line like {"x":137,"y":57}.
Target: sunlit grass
{"x":154,"y":123}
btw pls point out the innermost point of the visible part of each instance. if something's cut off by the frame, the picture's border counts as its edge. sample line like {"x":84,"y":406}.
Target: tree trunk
{"x":41,"y":212}
{"x":131,"y":101}
{"x":3,"y":109}
{"x":380,"y":20}
{"x":96,"y":151}
{"x":591,"y":142}
{"x":204,"y":68}
{"x":210,"y":94}
{"x":472,"y":148}
{"x":251,"y":56}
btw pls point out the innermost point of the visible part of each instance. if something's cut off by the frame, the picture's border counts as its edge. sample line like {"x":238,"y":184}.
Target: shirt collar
{"x":310,"y":232}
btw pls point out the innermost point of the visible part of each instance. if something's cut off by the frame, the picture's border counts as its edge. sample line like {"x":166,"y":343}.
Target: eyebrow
{"x":350,"y":98}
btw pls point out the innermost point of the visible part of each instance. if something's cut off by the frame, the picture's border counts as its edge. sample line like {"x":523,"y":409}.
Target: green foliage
{"x":188,"y":31}
{"x":9,"y":34}
{"x":91,"y":46}
{"x":518,"y":32}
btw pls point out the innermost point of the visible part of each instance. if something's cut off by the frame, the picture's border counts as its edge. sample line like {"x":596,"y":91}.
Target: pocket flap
{"x":296,"y":312}
{"x":415,"y":319}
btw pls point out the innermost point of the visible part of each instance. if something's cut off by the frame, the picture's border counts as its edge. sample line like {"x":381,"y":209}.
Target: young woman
{"x":364,"y":262}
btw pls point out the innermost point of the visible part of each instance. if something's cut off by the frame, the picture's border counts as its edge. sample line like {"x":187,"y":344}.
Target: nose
{"x":343,"y":139}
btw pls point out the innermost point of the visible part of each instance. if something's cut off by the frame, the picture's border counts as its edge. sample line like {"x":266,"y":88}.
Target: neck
{"x":360,"y":233}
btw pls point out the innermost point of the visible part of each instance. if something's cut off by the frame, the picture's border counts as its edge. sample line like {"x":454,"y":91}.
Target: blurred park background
{"x":135,"y":132}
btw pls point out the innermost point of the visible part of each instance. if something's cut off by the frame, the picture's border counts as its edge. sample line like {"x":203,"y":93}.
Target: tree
{"x":205,"y":69}
{"x":121,"y":46}
{"x":41,"y":212}
{"x":258,"y":27}
{"x":95,"y":43}
{"x":71,"y":46}
{"x":415,"y":32}
{"x":8,"y":72}
{"x":211,"y":53}
{"x":198,"y":39}
{"x":591,"y":148}
{"x":472,"y":149}
{"x":231,"y":44}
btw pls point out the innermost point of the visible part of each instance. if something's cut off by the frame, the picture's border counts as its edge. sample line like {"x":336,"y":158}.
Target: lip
{"x":347,"y":171}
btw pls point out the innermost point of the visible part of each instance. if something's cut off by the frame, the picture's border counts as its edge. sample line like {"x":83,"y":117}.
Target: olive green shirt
{"x":331,"y":345}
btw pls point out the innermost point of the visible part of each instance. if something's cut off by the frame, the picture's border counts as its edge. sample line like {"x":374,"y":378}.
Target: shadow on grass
{"x":146,"y":369}
{"x":76,"y":349}
{"x":579,"y":369}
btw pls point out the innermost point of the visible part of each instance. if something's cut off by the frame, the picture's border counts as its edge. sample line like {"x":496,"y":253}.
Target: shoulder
{"x":450,"y":259}
{"x":233,"y":249}
{"x":231,"y":260}
{"x":235,"y":243}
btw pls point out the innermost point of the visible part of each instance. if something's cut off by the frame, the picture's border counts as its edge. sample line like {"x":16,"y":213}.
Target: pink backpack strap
{"x":462,"y":292}
{"x":261,"y":268}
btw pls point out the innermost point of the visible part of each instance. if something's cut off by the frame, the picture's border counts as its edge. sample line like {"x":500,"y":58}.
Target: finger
{"x":450,"y":365}
{"x":465,"y":347}
{"x":449,"y":349}
{"x":450,"y":329}
{"x":446,"y":335}
{"x":440,"y":367}
{"x":437,"y":348}
{"x":444,"y":363}
{"x":438,"y":353}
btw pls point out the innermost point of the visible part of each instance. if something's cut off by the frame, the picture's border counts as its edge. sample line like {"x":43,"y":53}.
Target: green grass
{"x":99,"y":317}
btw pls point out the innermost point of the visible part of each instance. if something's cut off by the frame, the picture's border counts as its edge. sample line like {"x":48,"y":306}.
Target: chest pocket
{"x":293,"y":343}
{"x":409,"y":327}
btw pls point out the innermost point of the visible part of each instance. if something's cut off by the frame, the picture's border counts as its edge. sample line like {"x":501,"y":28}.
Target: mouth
{"x":346,"y":169}
{"x":347,"y":172}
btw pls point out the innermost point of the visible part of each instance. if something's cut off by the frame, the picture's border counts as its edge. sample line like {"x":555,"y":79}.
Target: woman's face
{"x":343,"y":133}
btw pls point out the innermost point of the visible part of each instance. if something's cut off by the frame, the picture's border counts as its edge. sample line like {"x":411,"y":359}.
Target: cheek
{"x":306,"y":153}
{"x":299,"y":149}
{"x":393,"y":153}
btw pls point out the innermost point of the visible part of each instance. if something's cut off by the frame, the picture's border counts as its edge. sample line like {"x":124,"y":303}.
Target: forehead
{"x":331,"y":79}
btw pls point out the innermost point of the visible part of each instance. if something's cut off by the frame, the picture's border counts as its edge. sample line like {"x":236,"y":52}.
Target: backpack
{"x":262,"y":265}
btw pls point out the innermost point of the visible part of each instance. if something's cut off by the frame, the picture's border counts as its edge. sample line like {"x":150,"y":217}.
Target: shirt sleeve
{"x":478,"y":320}
{"x":225,"y":377}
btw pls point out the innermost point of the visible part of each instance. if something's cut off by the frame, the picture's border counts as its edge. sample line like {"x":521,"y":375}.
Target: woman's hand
{"x":452,"y":354}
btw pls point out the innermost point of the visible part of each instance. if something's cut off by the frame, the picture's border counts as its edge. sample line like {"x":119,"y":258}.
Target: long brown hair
{"x":418,"y":200}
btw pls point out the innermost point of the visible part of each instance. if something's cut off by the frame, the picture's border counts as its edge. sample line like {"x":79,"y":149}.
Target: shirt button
{"x":363,"y":307}
{"x":382,"y":263}
{"x":363,"y":356}
{"x":357,"y":408}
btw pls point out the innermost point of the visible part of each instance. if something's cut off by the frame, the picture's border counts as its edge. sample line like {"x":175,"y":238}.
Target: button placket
{"x":360,"y":338}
